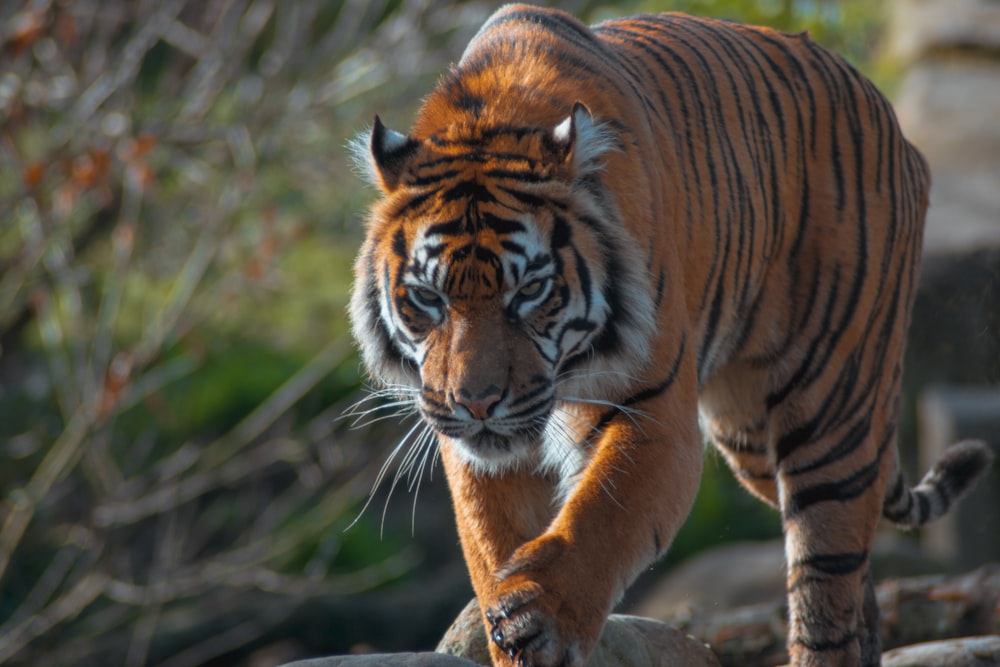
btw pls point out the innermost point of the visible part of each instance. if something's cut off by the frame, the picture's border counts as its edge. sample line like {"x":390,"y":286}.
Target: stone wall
{"x":949,"y":106}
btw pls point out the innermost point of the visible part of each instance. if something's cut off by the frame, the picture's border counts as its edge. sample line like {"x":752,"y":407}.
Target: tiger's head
{"x":496,"y":279}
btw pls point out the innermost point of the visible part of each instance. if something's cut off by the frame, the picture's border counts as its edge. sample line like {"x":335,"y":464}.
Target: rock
{"x":633,"y":641}
{"x":946,"y":104}
{"x":627,"y":641}
{"x":968,"y":652}
{"x":748,"y":573}
{"x":919,"y":26}
{"x":947,"y":108}
{"x":729,"y":576}
{"x":466,"y":637}
{"x":380,"y":659}
{"x":939,"y":607}
{"x":920,"y":609}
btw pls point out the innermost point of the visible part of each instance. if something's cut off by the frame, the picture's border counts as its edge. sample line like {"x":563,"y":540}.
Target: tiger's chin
{"x":491,"y":453}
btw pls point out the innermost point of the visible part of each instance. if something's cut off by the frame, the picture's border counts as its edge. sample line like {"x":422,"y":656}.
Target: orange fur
{"x":591,"y":234}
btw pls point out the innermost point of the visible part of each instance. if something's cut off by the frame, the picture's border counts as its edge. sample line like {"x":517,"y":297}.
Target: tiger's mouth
{"x":491,"y":446}
{"x":482,"y":435}
{"x":491,"y":452}
{"x":488,"y":440}
{"x":493,"y":437}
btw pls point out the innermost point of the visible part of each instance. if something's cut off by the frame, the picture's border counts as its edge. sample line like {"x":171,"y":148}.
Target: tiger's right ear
{"x":383,"y":157}
{"x":580,"y":141}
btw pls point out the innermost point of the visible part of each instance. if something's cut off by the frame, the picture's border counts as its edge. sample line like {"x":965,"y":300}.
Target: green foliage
{"x":723,"y":512}
{"x":174,"y":355}
{"x":850,"y":27}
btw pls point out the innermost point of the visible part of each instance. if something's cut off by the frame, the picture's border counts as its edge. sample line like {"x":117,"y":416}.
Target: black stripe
{"x":761,"y":475}
{"x":447,"y":228}
{"x":512,"y":247}
{"x":524,"y":176}
{"x":663,"y":385}
{"x":558,"y":23}
{"x":645,"y":394}
{"x":543,"y":387}
{"x":841,"y":490}
{"x":739,"y":446}
{"x":583,"y":275}
{"x":501,"y":225}
{"x":468,"y":190}
{"x":812,"y":356}
{"x":835,"y":564}
{"x":792,"y":440}
{"x":853,"y":439}
{"x":487,"y":256}
{"x":433,"y":179}
{"x":526,"y":198}
{"x":821,"y":647}
{"x":411,"y":205}
{"x":531,"y":409}
{"x":660,"y":285}
{"x":561,"y":233}
{"x":925,"y":506}
{"x":897,"y":490}
{"x":399,"y":244}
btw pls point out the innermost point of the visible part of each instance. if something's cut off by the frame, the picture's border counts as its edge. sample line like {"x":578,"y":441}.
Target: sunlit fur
{"x":592,"y":235}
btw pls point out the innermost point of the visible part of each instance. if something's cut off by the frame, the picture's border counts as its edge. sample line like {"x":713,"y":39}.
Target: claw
{"x":495,"y":617}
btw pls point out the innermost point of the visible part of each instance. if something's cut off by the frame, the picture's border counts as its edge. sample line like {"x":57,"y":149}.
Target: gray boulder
{"x":967,"y":652}
{"x":379,"y":659}
{"x":627,"y":641}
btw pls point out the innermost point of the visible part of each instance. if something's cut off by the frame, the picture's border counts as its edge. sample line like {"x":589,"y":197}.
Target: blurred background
{"x":178,"y":218}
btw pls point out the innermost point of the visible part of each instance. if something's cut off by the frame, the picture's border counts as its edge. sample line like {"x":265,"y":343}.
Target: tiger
{"x":599,"y":247}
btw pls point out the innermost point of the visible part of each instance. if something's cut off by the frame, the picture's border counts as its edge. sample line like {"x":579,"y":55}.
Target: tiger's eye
{"x":427,"y":296}
{"x":531,"y":289}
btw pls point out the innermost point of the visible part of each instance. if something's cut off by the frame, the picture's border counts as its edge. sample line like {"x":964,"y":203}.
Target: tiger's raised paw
{"x":536,"y":625}
{"x":527,"y":632}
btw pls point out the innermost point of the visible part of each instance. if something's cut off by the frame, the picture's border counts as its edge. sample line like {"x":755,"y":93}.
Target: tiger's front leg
{"x":545,"y":600}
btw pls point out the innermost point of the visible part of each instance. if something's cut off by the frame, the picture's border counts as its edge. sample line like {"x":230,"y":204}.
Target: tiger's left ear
{"x":578,"y":141}
{"x":383,"y":157}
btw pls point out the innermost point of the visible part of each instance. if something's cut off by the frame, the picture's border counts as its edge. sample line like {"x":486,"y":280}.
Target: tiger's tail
{"x":951,"y":477}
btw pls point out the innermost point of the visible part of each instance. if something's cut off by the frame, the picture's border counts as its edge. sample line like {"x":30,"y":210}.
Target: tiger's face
{"x":476,"y":307}
{"x":486,"y":287}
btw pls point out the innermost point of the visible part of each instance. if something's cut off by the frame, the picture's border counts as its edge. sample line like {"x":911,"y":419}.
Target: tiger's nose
{"x":480,"y":405}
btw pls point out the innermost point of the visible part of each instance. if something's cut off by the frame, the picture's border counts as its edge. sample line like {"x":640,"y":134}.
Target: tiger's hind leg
{"x":830,"y":506}
{"x":827,"y":560}
{"x":827,"y":478}
{"x":868,"y":637}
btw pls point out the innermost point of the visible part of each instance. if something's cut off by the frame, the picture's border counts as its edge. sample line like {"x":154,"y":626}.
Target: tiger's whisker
{"x":400,"y":471}
{"x":381,"y":476}
{"x":427,"y":444}
{"x":632,"y":413}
